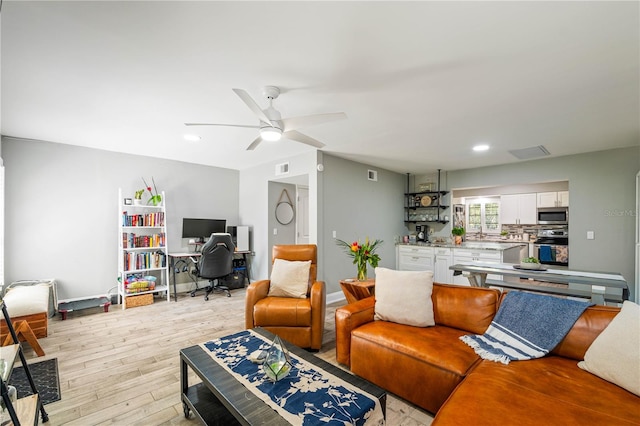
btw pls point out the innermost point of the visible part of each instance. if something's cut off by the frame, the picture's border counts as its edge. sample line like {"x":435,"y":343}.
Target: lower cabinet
{"x":415,"y":258}
{"x":443,"y":260}
{"x":468,"y":255}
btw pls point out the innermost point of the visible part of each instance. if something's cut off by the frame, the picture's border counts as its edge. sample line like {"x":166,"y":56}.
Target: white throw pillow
{"x":404,"y":297}
{"x":290,"y":278}
{"x":27,"y":300}
{"x":615,"y":354}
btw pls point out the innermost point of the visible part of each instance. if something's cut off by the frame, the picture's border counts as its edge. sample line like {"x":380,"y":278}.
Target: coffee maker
{"x":422,"y":233}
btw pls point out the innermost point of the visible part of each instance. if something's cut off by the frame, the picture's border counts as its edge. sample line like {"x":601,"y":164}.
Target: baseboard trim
{"x":337,"y":296}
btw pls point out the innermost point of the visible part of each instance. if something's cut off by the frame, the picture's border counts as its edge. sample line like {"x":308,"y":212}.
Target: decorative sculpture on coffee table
{"x":277,"y":363}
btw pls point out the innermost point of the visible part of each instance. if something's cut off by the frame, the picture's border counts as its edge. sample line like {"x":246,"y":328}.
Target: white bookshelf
{"x":142,"y":248}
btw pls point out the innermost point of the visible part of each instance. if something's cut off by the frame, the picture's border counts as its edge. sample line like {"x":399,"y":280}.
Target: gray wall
{"x":355,"y":208}
{"x":62,"y":209}
{"x":601,"y":195}
{"x":286,"y":234}
{"x":256,"y":208}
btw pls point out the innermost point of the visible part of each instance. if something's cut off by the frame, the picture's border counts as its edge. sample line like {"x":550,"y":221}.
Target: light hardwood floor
{"x":122,"y":367}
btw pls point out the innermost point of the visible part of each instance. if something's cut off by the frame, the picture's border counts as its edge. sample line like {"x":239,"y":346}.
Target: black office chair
{"x":216,"y":262}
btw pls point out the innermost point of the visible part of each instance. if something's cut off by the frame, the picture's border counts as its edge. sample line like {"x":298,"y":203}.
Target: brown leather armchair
{"x":299,"y":321}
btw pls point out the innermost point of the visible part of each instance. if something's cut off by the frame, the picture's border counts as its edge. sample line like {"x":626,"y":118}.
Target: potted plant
{"x":503,"y":234}
{"x":530,"y":263}
{"x":457,"y":233}
{"x":156,"y":199}
{"x":138,"y":197}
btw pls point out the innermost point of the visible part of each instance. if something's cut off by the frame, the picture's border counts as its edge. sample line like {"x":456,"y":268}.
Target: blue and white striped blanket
{"x":527,"y":326}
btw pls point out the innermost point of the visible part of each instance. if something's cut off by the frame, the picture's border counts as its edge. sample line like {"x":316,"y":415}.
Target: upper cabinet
{"x":553,"y":199}
{"x":518,"y":209}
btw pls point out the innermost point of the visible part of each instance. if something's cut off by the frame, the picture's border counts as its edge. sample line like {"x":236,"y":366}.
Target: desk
{"x":355,"y":290}
{"x":600,"y":287}
{"x":174,"y":257}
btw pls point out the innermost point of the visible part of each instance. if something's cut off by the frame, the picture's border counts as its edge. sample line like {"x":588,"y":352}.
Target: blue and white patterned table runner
{"x":307,"y":396}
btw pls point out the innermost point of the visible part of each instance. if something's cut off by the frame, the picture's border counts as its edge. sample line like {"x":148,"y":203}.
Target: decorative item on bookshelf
{"x":156,"y":199}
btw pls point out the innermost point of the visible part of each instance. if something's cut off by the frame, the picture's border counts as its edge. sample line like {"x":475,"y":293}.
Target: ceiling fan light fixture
{"x":270,"y":134}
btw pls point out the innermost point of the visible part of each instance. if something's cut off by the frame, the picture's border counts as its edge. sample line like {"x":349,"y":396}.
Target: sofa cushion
{"x":282,"y":311}
{"x":420,"y":364}
{"x":404,"y":297}
{"x":465,"y":308}
{"x":615,"y":354}
{"x":590,"y":324}
{"x":290,"y":278}
{"x":550,"y":390}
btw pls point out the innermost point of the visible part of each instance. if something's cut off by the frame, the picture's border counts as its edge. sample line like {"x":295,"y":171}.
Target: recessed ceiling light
{"x":479,"y":148}
{"x":192,"y":138}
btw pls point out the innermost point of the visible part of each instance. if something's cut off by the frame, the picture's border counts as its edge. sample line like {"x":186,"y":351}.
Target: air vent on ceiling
{"x":372,"y":175}
{"x":282,"y":169}
{"x":530,"y":153}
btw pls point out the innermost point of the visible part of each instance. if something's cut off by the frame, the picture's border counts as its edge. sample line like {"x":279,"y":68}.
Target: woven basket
{"x":142,"y":300}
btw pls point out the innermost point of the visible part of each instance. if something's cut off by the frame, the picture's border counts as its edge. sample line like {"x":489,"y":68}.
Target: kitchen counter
{"x":473,"y":245}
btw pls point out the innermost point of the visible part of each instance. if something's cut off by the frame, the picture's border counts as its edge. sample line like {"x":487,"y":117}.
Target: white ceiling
{"x":421,"y":82}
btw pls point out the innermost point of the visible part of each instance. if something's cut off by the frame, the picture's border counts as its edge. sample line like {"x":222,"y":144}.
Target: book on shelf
{"x":132,"y":240}
{"x":149,"y":219}
{"x":144,"y":260}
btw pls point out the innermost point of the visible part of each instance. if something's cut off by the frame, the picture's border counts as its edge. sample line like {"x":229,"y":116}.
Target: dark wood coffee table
{"x":221,"y":400}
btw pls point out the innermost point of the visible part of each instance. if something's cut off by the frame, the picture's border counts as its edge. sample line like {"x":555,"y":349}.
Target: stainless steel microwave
{"x":553,"y":215}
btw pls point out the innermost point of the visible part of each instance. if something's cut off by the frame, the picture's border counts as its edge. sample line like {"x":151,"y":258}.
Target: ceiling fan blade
{"x":294,"y":123}
{"x":253,"y":106}
{"x":254,"y":144}
{"x":299,"y":137}
{"x":220,"y":124}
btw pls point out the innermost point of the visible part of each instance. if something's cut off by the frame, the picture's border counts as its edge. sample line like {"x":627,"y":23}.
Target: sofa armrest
{"x":349,"y":318}
{"x":318,"y":299}
{"x":256,"y":291}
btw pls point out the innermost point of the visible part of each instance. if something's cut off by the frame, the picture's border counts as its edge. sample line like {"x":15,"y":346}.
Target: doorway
{"x":302,"y":218}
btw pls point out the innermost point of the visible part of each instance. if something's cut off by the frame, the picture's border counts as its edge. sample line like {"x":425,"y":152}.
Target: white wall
{"x":62,"y":209}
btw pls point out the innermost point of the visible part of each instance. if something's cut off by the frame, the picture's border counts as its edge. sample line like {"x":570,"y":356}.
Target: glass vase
{"x":277,"y":364}
{"x":362,"y":271}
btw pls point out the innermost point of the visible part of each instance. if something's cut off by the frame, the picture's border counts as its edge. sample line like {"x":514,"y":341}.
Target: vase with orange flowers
{"x":362,"y":254}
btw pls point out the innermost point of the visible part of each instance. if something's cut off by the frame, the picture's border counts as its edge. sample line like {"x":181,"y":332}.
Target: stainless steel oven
{"x":553,"y":216}
{"x":552,"y":246}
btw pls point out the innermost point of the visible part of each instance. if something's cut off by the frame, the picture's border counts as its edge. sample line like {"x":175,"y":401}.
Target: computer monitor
{"x":202,"y":228}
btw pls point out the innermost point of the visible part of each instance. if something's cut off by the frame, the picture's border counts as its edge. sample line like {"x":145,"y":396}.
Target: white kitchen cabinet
{"x":563,"y":198}
{"x":415,"y":258}
{"x":553,"y":199}
{"x":443,"y":260}
{"x":518,"y":209}
{"x":473,"y":255}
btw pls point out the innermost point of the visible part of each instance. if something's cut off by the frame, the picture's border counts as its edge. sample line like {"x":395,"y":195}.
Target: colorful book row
{"x":131,"y":240}
{"x":144,"y":260}
{"x":148,"y":219}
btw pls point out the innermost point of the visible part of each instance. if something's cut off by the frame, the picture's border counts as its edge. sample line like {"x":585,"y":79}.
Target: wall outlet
{"x":275,"y":231}
{"x":591,"y":235}
{"x":334,"y":234}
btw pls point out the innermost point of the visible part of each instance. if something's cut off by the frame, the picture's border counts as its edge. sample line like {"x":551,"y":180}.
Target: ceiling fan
{"x":272,"y":126}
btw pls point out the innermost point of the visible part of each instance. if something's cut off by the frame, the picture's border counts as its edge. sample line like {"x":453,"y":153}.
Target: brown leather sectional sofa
{"x":433,"y":369}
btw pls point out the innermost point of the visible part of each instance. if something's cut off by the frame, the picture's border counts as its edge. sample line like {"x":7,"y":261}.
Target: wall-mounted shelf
{"x":425,"y":206}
